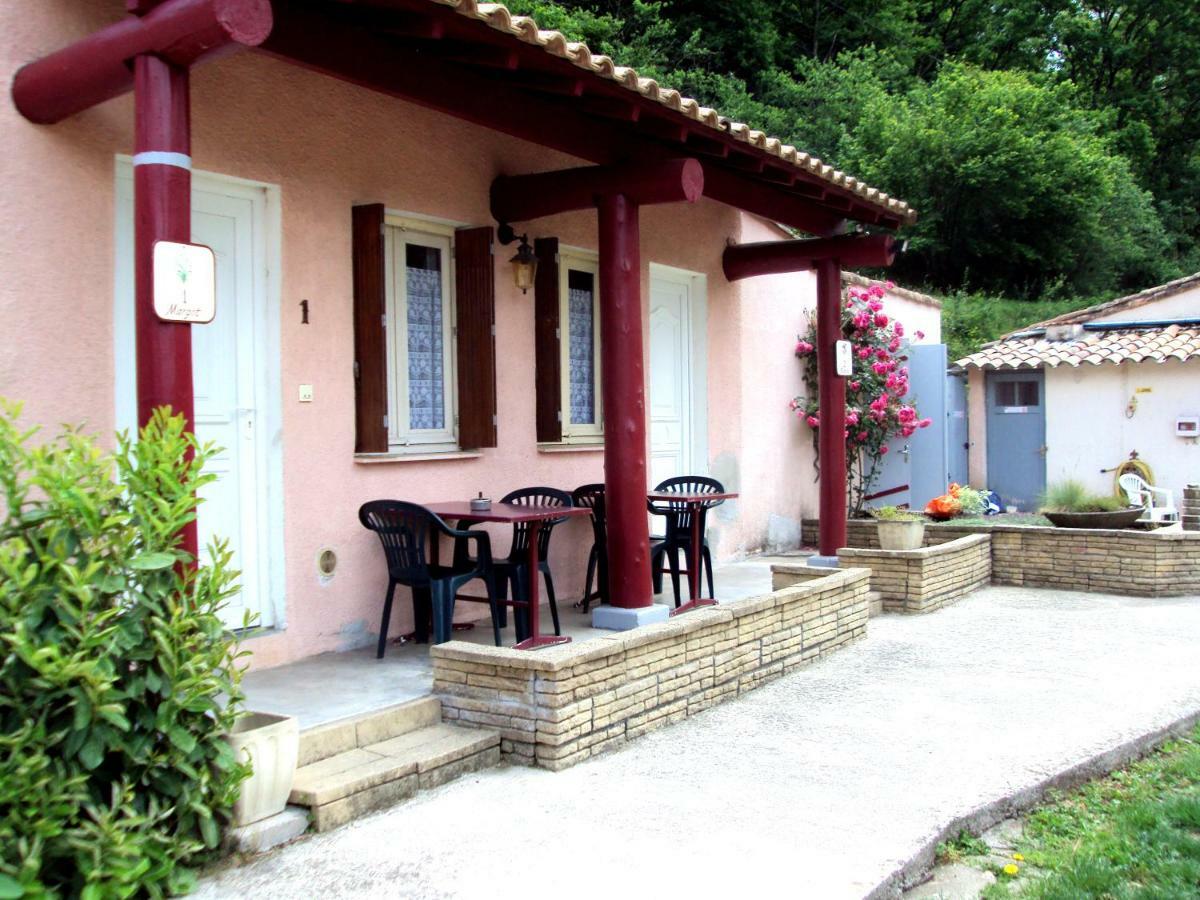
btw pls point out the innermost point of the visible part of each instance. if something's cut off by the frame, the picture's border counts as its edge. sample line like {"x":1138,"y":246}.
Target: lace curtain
{"x":582,"y":374}
{"x":426,"y":400}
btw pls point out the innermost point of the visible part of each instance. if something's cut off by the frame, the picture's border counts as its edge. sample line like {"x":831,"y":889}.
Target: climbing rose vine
{"x":876,"y":406}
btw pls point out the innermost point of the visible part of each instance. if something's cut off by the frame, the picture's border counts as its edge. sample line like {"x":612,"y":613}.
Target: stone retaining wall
{"x":915,"y":581}
{"x":1113,"y":561}
{"x":558,"y":706}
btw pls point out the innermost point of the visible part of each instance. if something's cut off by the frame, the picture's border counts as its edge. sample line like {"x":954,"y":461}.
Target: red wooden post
{"x":831,"y":441}
{"x":162,"y":192}
{"x":624,"y":396}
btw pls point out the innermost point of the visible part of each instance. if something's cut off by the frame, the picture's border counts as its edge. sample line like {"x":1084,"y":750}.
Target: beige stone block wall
{"x":558,"y":706}
{"x":1128,"y":561}
{"x":923,"y":580}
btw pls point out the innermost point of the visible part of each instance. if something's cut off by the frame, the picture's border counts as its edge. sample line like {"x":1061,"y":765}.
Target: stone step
{"x":337,"y":737}
{"x":874,"y":603}
{"x":342,"y":786}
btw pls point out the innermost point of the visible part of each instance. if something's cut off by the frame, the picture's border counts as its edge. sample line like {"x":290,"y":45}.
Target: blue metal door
{"x":957,"y":434}
{"x":915,"y":470}
{"x":1016,"y":437}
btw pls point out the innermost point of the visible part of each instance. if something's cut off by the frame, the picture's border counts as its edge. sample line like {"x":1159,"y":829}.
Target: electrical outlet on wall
{"x":306,"y":393}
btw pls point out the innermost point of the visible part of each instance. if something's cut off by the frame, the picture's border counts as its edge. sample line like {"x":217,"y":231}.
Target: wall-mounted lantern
{"x":524,"y":263}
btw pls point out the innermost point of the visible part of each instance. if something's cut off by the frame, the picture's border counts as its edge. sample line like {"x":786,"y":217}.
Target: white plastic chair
{"x":1159,"y":502}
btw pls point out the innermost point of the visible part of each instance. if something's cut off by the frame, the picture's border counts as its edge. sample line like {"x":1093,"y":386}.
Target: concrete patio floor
{"x":820,"y":785}
{"x":335,"y":685}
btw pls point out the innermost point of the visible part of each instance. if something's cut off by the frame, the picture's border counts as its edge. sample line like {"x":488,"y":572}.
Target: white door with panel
{"x":227,"y":365}
{"x":671,"y":382}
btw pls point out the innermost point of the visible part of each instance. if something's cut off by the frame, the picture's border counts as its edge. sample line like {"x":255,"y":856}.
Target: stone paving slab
{"x":824,"y":784}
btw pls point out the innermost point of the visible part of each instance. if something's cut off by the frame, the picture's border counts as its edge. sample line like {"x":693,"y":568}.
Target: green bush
{"x":117,"y":677}
{"x":895,"y":514}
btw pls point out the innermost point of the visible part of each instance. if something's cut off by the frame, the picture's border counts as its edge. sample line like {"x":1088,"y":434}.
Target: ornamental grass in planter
{"x":118,"y":677}
{"x":1068,"y":504}
{"x":899,"y":529}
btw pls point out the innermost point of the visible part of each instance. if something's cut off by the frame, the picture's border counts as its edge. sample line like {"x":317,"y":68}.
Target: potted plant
{"x":899,"y":529}
{"x":1068,"y":504}
{"x":270,"y":744}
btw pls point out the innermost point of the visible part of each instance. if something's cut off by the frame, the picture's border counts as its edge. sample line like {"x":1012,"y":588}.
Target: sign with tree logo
{"x":185,"y":282}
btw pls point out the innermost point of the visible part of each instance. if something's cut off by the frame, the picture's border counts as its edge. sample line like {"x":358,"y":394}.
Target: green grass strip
{"x":1134,"y":834}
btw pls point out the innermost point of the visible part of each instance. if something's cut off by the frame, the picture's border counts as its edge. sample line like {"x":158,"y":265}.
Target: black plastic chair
{"x":407,"y":531}
{"x":678,"y":532}
{"x":591,"y":496}
{"x":514,"y":567}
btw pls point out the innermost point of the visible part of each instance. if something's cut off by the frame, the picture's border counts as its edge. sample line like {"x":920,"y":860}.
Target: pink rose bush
{"x":876,"y":405}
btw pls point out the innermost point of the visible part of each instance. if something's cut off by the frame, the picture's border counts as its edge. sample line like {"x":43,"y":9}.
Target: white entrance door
{"x":227,"y":365}
{"x":671,"y":382}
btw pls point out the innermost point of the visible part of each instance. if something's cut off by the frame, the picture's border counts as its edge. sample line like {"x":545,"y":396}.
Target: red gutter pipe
{"x":100,"y":66}
{"x":826,"y":256}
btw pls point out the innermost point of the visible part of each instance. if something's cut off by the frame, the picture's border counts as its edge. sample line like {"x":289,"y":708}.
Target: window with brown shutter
{"x":370,"y":352}
{"x":546,"y":342}
{"x":475,"y":299}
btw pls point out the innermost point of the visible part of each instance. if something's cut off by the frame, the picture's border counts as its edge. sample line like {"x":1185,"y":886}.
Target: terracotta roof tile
{"x":555,"y":43}
{"x":1150,"y":344}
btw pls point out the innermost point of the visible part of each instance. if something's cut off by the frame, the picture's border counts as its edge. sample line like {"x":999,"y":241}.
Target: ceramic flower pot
{"x":901,"y":534}
{"x":271,"y":744}
{"x":1121,"y":518}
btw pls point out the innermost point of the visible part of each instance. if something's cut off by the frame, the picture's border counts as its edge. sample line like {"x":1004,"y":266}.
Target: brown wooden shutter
{"x":546,"y":342}
{"x":370,"y":334}
{"x":475,"y":298}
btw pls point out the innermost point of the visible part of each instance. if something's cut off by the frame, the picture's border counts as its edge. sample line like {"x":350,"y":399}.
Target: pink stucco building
{"x":280,"y":156}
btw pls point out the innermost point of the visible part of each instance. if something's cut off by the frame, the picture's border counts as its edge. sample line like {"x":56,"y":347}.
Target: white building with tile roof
{"x":1073,"y":396}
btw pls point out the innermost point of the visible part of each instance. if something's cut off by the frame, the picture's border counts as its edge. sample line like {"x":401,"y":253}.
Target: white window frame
{"x":398,"y":231}
{"x":578,"y":260}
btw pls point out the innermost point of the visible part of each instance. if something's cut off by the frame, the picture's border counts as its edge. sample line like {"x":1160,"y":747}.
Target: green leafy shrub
{"x":117,"y":677}
{"x":1072,"y":497}
{"x":895,"y":514}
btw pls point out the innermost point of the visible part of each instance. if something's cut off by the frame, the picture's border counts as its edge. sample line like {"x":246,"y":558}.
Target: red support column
{"x":624,"y":397}
{"x":831,"y":441}
{"x":162,"y":191}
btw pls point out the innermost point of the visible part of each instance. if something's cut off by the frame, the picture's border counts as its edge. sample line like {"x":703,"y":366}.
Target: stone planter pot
{"x":1122,"y":518}
{"x":271,"y":744}
{"x":901,"y":535}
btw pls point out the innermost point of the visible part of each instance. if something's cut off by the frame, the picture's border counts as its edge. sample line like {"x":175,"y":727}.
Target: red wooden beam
{"x":831,"y":390}
{"x":773,"y":257}
{"x":520,"y":198}
{"x":362,"y":57}
{"x":773,"y":203}
{"x":623,"y":394}
{"x":100,"y":67}
{"x":162,"y":191}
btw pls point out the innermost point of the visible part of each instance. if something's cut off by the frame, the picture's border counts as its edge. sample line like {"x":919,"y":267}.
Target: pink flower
{"x":813,"y":422}
{"x":862,"y":321}
{"x":906,"y":414}
{"x":862,"y":436}
{"x":889,"y":285}
{"x":925,"y":423}
{"x":879,"y":403}
{"x":894,"y":344}
{"x":854,"y":385}
{"x":882,"y":355}
{"x":920,"y":335}
{"x":883,"y":449}
{"x":874,"y":305}
{"x":898,"y":328}
{"x":880,"y":320}
{"x":907,"y":431}
{"x":845,"y":433}
{"x":852,"y":416}
{"x":880,"y":368}
{"x":803,"y":348}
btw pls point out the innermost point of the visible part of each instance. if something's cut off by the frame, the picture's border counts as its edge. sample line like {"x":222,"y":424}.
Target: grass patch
{"x":1134,"y":834}
{"x":1002,"y":519}
{"x":962,"y":847}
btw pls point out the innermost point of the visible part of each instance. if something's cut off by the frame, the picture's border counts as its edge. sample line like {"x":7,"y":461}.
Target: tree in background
{"x":1052,"y":147}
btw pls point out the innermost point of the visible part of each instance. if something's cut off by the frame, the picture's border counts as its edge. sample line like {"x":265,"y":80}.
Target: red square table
{"x":695,"y":502}
{"x":512,"y":514}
